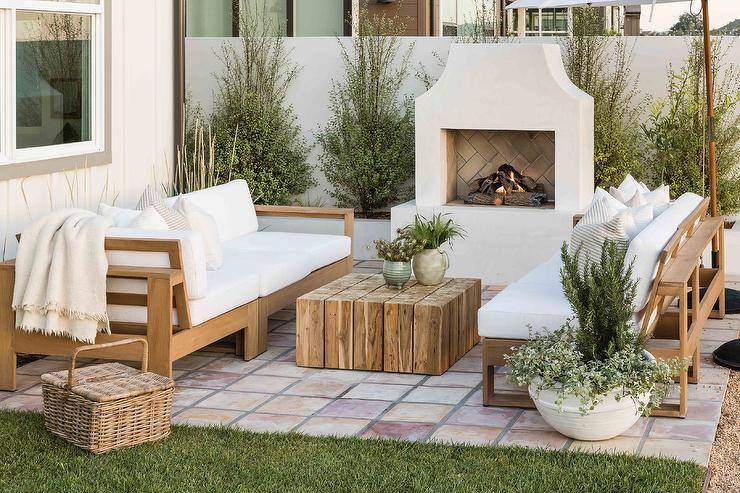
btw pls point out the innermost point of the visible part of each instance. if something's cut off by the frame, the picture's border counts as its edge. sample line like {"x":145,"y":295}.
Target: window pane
{"x":270,"y":16}
{"x":53,"y":73}
{"x":210,"y":18}
{"x":319,"y":17}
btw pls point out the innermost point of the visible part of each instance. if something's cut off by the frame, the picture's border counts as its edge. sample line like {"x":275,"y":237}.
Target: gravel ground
{"x":725,"y":459}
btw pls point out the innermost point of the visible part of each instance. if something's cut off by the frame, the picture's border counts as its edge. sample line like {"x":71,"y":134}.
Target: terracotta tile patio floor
{"x":272,"y":394}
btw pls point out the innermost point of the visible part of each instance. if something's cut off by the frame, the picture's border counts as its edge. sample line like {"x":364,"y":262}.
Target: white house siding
{"x":141,"y":125}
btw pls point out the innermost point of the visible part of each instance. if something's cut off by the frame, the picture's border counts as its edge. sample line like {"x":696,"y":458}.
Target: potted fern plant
{"x":431,"y":263}
{"x":594,"y":379}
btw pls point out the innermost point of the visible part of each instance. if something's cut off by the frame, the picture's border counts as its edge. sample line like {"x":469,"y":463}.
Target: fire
{"x":517,"y":186}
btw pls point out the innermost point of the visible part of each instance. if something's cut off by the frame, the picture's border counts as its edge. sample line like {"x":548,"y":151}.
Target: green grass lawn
{"x":219,"y":460}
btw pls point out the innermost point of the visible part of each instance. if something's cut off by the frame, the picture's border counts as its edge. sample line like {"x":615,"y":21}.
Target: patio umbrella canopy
{"x":729,"y":353}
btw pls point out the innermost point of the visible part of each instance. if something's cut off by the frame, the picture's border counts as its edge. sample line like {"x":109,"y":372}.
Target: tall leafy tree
{"x":368,"y":143}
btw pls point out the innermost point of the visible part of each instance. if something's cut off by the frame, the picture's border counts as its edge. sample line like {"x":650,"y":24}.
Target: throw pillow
{"x":150,"y":196}
{"x":659,"y":196}
{"x":636,"y":219}
{"x":174,"y":219}
{"x":626,"y":190}
{"x":637,"y":200}
{"x":601,"y":211}
{"x":203,"y":223}
{"x":149,"y":218}
{"x":122,"y":218}
{"x":587,"y":240}
{"x":616,"y":204}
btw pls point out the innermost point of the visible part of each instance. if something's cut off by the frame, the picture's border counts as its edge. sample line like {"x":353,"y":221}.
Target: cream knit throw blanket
{"x":60,"y":276}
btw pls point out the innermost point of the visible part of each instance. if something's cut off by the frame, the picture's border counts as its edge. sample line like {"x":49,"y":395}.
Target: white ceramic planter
{"x":609,"y":419}
{"x":430,"y":266}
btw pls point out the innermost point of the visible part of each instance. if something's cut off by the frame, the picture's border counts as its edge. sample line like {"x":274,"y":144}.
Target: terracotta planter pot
{"x":430,"y":266}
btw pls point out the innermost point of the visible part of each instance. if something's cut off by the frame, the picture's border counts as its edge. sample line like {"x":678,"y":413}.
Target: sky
{"x":720,"y":13}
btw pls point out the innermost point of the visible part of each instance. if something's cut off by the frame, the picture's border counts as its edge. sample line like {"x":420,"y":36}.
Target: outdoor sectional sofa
{"x":668,"y":255}
{"x":159,"y":288}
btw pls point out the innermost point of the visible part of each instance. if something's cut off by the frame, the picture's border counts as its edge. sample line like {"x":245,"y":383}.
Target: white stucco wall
{"x":321,"y":62}
{"x":141,"y":126}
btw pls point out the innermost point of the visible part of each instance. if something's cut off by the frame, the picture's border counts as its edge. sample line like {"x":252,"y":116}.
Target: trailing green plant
{"x":367,"y":146}
{"x":601,"y":66}
{"x":603,"y":353}
{"x":250,"y":110}
{"x":401,"y":249}
{"x":676,"y":130}
{"x":434,"y":232}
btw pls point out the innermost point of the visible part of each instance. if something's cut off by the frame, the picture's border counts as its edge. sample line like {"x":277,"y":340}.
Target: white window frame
{"x":9,"y":154}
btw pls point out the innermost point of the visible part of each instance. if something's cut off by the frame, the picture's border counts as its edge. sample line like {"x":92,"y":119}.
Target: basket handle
{"x":125,"y":342}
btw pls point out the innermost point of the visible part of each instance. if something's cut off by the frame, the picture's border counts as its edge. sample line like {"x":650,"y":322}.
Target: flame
{"x":517,"y":186}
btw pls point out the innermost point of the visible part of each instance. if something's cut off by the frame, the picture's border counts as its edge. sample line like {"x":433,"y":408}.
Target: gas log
{"x":506,"y":187}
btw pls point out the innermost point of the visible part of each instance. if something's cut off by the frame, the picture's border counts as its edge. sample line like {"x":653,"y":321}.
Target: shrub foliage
{"x":367,"y":146}
{"x":250,"y":108}
{"x":678,"y":152}
{"x":600,"y":66}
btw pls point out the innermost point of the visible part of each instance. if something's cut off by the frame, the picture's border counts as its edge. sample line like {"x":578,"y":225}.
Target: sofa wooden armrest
{"x":348,"y":215}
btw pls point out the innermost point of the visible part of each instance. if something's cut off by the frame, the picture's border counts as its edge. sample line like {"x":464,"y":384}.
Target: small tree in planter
{"x":594,"y":380}
{"x":368,"y":143}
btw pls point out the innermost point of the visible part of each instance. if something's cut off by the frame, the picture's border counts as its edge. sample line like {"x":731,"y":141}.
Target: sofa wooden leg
{"x":488,"y":383}
{"x":695,"y":366}
{"x":7,"y":328}
{"x":255,"y":333}
{"x":159,"y":326}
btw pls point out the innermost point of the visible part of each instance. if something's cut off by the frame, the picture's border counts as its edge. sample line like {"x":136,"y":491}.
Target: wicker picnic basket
{"x":110,"y":406}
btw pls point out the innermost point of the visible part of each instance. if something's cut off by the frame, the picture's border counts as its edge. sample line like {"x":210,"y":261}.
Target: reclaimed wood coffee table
{"x":357,"y":323}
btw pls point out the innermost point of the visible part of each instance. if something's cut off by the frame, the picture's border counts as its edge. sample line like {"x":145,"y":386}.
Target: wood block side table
{"x":357,"y":322}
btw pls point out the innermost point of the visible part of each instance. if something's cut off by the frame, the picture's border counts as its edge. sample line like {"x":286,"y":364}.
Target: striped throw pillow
{"x":601,"y":211}
{"x":174,"y":220}
{"x":587,"y":240}
{"x":150,"y":196}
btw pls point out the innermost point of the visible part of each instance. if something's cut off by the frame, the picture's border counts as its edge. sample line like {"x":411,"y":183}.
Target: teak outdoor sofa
{"x":668,"y":255}
{"x":159,"y":289}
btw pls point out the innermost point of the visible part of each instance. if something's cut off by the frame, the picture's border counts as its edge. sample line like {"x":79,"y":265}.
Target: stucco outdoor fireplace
{"x":504,"y":145}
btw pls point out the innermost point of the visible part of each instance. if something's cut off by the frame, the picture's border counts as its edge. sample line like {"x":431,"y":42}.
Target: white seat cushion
{"x":276,"y":270}
{"x":228,"y":289}
{"x":545,"y":273}
{"x":511,"y":313}
{"x":229,"y":204}
{"x":321,"y":250}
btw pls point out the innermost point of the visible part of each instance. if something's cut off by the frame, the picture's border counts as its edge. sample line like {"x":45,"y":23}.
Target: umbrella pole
{"x":728,"y":354}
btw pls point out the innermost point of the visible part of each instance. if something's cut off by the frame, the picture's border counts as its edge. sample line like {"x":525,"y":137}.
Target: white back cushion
{"x":645,"y":249}
{"x":230,"y":205}
{"x":193,"y":260}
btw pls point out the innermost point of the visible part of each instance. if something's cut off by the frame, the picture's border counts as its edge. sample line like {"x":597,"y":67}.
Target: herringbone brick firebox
{"x":478,"y":153}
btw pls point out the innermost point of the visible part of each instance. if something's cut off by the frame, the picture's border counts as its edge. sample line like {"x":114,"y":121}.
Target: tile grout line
{"x":377,"y":419}
{"x":452,"y":411}
{"x":215,"y":391}
{"x":645,"y":436}
{"x":507,"y":428}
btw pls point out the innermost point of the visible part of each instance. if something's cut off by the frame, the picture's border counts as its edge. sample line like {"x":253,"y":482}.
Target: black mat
{"x":728,"y":355}
{"x":732,"y":301}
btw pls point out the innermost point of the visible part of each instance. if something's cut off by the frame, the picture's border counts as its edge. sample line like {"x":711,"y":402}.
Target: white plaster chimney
{"x":505,"y":86}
